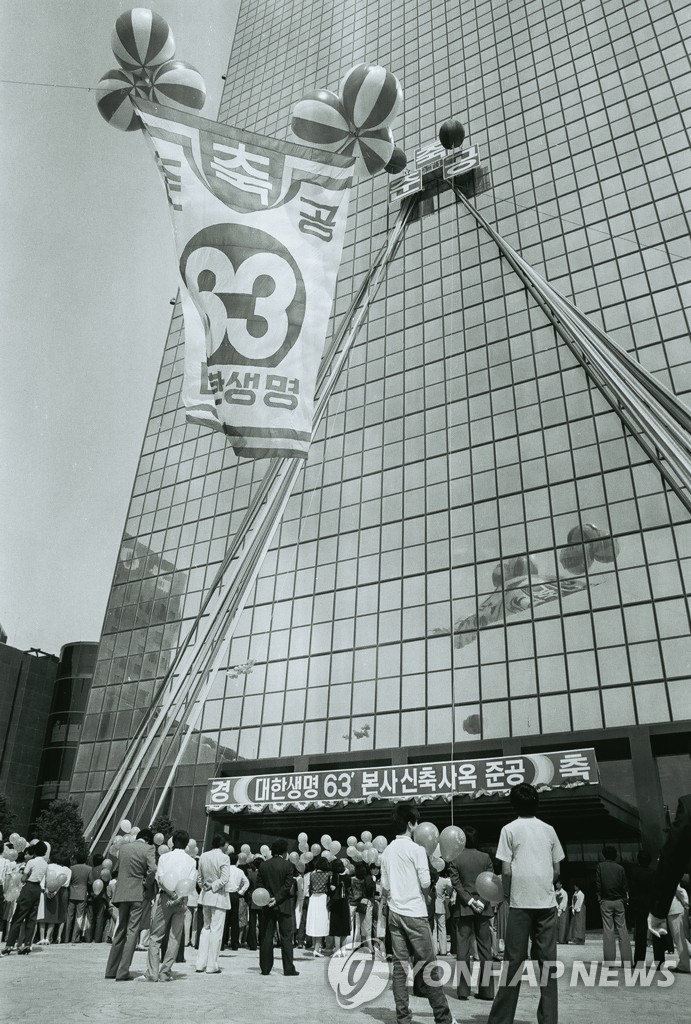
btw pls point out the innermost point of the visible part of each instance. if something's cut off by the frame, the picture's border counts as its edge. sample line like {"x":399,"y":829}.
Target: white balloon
{"x":125,"y":825}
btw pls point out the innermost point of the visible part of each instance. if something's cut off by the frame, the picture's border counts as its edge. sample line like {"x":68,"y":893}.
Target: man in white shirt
{"x":173,"y":868}
{"x":405,"y":882}
{"x":531,"y":854}
{"x":238,"y":884}
{"x":214,"y":872}
{"x":24,"y":917}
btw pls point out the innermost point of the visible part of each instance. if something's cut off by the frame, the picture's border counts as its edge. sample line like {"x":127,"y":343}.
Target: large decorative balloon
{"x":319,"y":119}
{"x":451,"y":842}
{"x":372,"y":150}
{"x":261,"y":897}
{"x":397,"y":162}
{"x":142,"y":40}
{"x":490,"y":887}
{"x":371,"y":96}
{"x":451,"y":134}
{"x":179,"y":85}
{"x":113,"y":99}
{"x":426,"y":835}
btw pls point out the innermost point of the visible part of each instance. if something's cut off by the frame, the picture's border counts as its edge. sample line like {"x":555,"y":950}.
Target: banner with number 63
{"x":259,"y":227}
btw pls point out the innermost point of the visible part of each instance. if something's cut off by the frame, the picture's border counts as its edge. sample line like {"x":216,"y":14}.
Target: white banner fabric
{"x":259,"y":227}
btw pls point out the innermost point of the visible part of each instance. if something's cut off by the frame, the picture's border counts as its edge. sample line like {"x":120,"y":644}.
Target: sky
{"x":87,"y":272}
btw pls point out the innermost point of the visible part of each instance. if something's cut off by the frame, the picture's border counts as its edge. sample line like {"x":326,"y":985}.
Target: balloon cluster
{"x":144,"y":48}
{"x":357,"y":121}
{"x":130,"y":834}
{"x":587,"y":545}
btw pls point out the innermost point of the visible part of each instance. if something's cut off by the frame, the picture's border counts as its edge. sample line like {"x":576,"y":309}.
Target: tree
{"x":162,"y":823}
{"x":8,"y":820}
{"x":62,"y":826}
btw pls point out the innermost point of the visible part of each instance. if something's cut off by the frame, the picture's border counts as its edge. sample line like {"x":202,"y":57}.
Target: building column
{"x":648,"y":790}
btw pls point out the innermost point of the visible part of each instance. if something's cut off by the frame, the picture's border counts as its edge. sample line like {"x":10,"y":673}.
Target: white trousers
{"x":210,"y":939}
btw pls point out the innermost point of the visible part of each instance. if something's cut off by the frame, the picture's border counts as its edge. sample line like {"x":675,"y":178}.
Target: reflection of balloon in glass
{"x":576,"y":559}
{"x":512,"y":568}
{"x":260,"y":897}
{"x":490,"y":887}
{"x":142,"y":40}
{"x":371,"y":96}
{"x":606,"y":549}
{"x":178,"y":85}
{"x":426,"y":835}
{"x":451,"y":842}
{"x":586,"y":533}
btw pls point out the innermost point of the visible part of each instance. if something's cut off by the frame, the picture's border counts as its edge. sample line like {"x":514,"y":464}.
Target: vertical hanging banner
{"x":259,"y":227}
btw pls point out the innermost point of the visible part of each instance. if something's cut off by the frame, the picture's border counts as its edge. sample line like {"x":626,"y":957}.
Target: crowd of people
{"x":417,"y":905}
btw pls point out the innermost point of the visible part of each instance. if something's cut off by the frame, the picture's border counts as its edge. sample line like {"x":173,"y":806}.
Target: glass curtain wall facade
{"x":463,"y":443}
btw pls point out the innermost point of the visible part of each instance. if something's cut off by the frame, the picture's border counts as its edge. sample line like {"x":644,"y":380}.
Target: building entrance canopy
{"x":417,"y":783}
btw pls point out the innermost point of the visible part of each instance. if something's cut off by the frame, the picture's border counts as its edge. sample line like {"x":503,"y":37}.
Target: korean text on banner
{"x":259,"y":227}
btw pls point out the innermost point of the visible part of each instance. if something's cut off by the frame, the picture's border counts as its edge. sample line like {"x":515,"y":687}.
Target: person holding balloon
{"x":214,"y":874}
{"x":24,"y":920}
{"x":136,"y":861}
{"x":472,"y":914}
{"x":76,"y":907}
{"x":275,"y":877}
{"x":56,"y":895}
{"x":177,"y":877}
{"x":405,"y":884}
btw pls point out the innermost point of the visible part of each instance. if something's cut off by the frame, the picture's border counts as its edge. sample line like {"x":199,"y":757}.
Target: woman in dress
{"x":56,"y":901}
{"x":339,"y":907}
{"x":562,"y":898}
{"x":317,"y":914}
{"x":577,"y":930}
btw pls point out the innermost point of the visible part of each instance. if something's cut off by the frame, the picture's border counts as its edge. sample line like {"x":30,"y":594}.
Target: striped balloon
{"x":142,"y":40}
{"x":113,"y":99}
{"x":177,"y":84}
{"x":371,"y":96}
{"x":319,"y":119}
{"x":372,"y":150}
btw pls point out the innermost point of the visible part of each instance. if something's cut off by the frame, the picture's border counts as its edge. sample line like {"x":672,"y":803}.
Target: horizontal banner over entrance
{"x":413,"y":782}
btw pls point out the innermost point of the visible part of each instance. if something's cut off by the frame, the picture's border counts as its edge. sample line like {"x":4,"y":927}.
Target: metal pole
{"x":261,"y":521}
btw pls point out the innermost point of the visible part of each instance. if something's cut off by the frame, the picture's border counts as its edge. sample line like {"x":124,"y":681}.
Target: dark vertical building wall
{"x":73,"y":684}
{"x":27,"y":683}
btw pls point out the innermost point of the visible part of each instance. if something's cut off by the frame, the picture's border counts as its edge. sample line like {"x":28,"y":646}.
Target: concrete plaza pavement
{"x":65,"y":984}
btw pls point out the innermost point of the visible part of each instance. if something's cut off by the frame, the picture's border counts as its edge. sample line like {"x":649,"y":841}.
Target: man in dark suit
{"x":641,"y":880}
{"x":276,"y":876}
{"x":471,"y":916}
{"x":135,"y":862}
{"x":672,"y":864}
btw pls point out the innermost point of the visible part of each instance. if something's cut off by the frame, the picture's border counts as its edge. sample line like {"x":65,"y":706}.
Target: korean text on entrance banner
{"x":443,"y":779}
